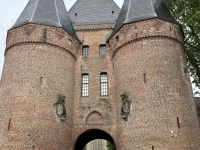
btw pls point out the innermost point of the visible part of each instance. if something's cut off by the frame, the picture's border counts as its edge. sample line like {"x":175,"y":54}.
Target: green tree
{"x":187,"y":13}
{"x":109,"y":146}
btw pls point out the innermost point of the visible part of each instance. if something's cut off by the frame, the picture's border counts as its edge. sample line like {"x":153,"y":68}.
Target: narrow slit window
{"x":145,"y":78}
{"x":85,"y":85}
{"x":102,"y":49}
{"x":33,"y":147}
{"x":178,"y":123}
{"x":152,"y":147}
{"x":9,"y":123}
{"x":85,"y":50}
{"x":41,"y":81}
{"x":70,"y":42}
{"x":104,"y":84}
{"x":117,"y":38}
{"x":136,"y":32}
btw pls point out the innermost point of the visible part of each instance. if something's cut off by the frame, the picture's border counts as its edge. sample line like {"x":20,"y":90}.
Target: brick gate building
{"x":96,"y":72}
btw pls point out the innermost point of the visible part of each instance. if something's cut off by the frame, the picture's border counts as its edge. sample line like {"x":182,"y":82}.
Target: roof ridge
{"x":128,"y":10}
{"x":153,"y":8}
{"x":34,"y":11}
{"x":57,"y":12}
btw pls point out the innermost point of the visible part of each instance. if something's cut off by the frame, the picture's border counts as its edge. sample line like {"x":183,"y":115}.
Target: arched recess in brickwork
{"x":90,"y":135}
{"x":94,"y":118}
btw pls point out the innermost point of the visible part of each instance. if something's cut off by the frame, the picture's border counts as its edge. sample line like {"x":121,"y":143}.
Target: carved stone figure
{"x":126,"y":106}
{"x":60,"y":107}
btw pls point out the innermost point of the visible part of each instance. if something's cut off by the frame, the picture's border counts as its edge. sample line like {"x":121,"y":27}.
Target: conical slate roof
{"x":47,"y":12}
{"x":86,"y":12}
{"x":138,"y":10}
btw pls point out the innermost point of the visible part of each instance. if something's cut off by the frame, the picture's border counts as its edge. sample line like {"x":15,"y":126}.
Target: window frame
{"x":85,"y":53}
{"x":102,"y":49}
{"x":85,"y":85}
{"x":103,"y":84}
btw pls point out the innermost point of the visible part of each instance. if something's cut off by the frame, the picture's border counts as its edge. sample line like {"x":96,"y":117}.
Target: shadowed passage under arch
{"x":90,"y":135}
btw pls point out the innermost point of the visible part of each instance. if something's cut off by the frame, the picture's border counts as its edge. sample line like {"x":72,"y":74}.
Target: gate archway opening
{"x":90,"y":135}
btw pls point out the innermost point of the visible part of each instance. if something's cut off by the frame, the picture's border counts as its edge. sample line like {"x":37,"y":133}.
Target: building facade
{"x":96,"y":72}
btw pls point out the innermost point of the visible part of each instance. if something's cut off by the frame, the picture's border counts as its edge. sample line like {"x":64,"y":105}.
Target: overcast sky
{"x":10,"y":10}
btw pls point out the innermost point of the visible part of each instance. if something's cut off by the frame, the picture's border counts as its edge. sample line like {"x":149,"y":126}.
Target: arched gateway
{"x":90,"y":135}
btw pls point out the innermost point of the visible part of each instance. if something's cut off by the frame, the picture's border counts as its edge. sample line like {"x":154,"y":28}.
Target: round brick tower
{"x":37,"y":85}
{"x":156,"y":108}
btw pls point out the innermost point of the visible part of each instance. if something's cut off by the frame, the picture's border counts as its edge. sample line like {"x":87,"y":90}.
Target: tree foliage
{"x":187,"y":13}
{"x":109,"y":146}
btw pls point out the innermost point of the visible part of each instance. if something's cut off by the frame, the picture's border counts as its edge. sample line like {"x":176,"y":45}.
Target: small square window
{"x":85,"y":50}
{"x":102,"y":49}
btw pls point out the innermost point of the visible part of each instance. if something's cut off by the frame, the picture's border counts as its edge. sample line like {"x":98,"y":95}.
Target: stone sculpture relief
{"x":60,"y":34}
{"x":126,"y":106}
{"x":28,"y":29}
{"x":60,"y":108}
{"x":94,"y":118}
